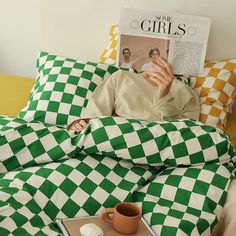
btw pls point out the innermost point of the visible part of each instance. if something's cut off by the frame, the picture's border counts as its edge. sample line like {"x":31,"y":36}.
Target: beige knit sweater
{"x":129,"y":95}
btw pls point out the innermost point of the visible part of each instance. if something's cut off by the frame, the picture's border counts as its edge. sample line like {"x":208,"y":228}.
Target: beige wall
{"x":19,"y":36}
{"x":79,"y":28}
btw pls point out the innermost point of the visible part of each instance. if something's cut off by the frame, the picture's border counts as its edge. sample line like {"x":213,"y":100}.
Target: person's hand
{"x":161,"y":79}
{"x":78,"y":125}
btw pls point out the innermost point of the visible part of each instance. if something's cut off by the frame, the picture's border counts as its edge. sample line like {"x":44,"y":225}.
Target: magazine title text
{"x":163,"y":25}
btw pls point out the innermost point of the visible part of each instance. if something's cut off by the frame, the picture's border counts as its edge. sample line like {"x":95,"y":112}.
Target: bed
{"x":178,"y":171}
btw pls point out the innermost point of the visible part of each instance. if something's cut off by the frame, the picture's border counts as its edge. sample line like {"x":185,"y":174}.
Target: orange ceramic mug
{"x":125,"y":219}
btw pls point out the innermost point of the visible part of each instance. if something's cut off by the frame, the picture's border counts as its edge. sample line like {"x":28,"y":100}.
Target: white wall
{"x":79,"y":28}
{"x":19,"y":36}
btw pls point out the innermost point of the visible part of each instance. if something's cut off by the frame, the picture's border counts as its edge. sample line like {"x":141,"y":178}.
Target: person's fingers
{"x":167,"y":66}
{"x":156,"y":82}
{"x":164,"y":61}
{"x":161,"y":64}
{"x":78,"y":127}
{"x":72,"y":125}
{"x":159,"y":80}
{"x":163,"y":70}
{"x":169,"y":70}
{"x":159,"y":76}
{"x":166,"y":75}
{"x":160,"y":84}
{"x":157,"y":66}
{"x":83,"y":123}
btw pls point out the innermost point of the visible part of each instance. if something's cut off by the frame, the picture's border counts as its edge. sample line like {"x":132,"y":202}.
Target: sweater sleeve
{"x":181,"y":102}
{"x":101,"y":103}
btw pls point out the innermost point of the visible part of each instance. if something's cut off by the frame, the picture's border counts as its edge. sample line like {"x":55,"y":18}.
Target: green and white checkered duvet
{"x":177,"y":171}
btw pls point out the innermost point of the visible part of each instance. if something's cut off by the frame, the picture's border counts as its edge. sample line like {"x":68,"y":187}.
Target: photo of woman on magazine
{"x":126,"y":63}
{"x":155,"y":58}
{"x":145,"y":52}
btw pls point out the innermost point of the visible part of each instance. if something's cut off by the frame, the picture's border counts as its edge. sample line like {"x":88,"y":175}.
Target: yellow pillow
{"x":217,"y":88}
{"x":108,"y":56}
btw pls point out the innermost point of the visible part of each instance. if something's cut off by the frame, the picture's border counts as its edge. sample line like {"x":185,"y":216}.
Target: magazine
{"x":71,"y":226}
{"x":146,"y":35}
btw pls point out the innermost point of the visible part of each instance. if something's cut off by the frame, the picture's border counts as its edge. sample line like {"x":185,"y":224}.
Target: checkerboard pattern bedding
{"x":216,"y":87}
{"x":62,"y":88}
{"x":177,"y":171}
{"x":185,"y":201}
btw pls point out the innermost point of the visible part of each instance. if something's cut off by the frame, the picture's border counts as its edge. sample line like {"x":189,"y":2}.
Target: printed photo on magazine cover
{"x":140,"y":53}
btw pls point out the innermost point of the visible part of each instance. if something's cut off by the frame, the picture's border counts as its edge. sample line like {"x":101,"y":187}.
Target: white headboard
{"x":79,"y":28}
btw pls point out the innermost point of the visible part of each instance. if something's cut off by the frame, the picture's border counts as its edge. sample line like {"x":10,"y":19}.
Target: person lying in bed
{"x":148,"y":96}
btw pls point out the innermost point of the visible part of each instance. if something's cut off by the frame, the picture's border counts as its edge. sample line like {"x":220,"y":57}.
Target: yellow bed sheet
{"x":14,"y":93}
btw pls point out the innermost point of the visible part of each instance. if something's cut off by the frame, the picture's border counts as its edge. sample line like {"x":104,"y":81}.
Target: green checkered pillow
{"x":62,"y":88}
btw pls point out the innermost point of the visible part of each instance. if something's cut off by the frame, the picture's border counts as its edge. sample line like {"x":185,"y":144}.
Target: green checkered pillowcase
{"x":62,"y":88}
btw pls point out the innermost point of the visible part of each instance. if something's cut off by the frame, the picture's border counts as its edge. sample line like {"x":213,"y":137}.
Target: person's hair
{"x":153,"y":50}
{"x":127,"y":50}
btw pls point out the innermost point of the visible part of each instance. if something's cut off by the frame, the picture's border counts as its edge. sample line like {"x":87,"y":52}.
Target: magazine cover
{"x":145,"y":36}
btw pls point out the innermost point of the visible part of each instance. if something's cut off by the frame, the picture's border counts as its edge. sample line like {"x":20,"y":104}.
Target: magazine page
{"x":145,"y":36}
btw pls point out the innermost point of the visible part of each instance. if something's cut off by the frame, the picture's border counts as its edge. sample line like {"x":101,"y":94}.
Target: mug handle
{"x":105,"y":215}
